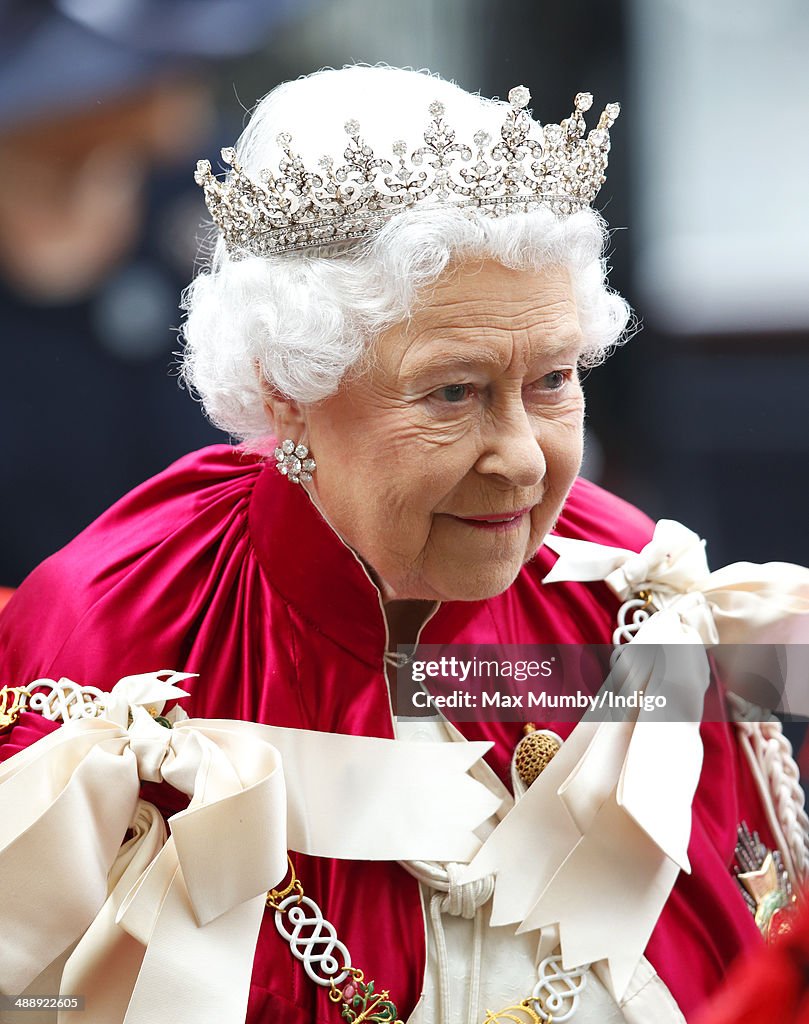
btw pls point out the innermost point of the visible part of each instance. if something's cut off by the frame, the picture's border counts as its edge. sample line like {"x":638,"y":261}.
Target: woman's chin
{"x":470,"y":582}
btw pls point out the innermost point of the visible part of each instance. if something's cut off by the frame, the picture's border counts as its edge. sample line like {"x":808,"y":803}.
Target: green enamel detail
{"x":382,"y":1011}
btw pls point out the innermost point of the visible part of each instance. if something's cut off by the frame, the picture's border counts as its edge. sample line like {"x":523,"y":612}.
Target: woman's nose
{"x":513,"y":450}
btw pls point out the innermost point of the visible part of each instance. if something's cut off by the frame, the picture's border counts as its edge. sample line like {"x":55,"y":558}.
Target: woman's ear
{"x":285,"y":416}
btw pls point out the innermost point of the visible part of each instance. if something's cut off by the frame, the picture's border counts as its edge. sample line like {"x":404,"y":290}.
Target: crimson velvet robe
{"x":220,"y":566}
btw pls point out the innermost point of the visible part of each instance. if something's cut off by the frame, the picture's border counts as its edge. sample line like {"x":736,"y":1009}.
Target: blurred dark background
{"x":105,"y":108}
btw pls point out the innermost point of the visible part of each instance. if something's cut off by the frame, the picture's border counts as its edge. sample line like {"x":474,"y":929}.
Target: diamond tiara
{"x":298,"y":208}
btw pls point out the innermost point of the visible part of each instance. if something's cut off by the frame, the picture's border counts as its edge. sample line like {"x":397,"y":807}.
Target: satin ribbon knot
{"x":632,"y":577}
{"x":673,"y":562}
{"x":151,"y":744}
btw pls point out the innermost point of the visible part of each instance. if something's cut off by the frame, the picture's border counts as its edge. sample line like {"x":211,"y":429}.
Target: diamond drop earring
{"x":292,"y":461}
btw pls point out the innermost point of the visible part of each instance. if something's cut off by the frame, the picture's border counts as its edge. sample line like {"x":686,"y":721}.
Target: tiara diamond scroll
{"x":560,"y":166}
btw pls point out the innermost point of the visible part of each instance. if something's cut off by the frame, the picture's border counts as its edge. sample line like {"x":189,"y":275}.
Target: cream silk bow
{"x":591,"y":852}
{"x":167,"y":928}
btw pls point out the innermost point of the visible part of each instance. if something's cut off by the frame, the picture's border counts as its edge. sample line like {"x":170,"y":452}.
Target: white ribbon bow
{"x":744,"y":603}
{"x":591,"y":852}
{"x":167,"y":929}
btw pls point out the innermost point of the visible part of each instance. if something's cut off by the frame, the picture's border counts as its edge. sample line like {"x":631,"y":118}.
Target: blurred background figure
{"x":104,"y":108}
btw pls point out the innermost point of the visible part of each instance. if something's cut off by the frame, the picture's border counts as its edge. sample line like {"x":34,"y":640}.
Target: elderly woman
{"x":406,"y":283}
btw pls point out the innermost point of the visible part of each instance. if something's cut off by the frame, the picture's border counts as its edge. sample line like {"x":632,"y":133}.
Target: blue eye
{"x":555,"y":381}
{"x":454,"y":393}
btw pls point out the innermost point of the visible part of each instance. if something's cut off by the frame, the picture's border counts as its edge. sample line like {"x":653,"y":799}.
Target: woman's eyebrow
{"x":443,"y":362}
{"x":566,"y":343}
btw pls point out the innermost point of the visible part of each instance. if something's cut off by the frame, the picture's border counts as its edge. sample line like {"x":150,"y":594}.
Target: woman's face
{"x":472,"y":412}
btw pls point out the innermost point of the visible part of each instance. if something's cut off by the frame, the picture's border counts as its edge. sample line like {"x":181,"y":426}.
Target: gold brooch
{"x":764,"y":884}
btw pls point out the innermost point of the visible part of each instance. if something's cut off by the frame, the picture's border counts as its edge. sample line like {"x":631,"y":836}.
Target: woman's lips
{"x":496,"y":523}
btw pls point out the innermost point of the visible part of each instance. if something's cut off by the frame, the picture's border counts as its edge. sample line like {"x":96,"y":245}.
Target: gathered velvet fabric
{"x":221,"y":567}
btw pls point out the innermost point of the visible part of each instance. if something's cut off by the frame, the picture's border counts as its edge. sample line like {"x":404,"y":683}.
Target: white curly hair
{"x":297,"y":322}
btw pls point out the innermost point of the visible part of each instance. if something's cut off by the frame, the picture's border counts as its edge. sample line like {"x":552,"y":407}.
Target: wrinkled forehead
{"x":485,"y":312}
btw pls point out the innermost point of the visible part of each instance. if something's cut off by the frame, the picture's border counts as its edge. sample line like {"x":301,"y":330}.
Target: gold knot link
{"x":520,"y":1013}
{"x":13,"y":700}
